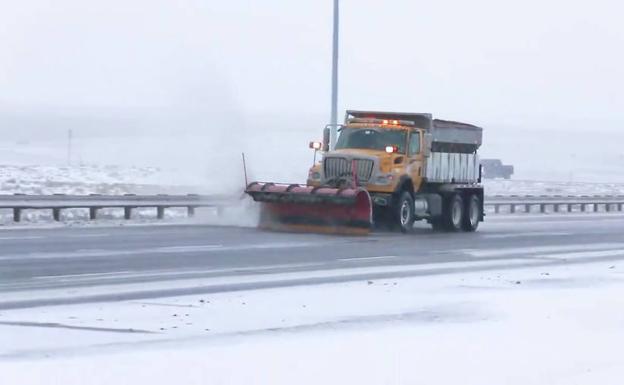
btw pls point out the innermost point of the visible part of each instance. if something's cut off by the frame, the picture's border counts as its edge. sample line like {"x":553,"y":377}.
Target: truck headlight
{"x":314,"y":175}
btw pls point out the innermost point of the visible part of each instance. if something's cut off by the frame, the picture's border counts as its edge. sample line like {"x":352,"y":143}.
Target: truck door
{"x":415,"y":158}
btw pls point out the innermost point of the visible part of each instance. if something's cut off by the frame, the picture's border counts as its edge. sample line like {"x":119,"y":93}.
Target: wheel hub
{"x":405,"y":213}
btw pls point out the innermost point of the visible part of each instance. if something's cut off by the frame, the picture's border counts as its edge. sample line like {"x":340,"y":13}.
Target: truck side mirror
{"x":427,"y":144}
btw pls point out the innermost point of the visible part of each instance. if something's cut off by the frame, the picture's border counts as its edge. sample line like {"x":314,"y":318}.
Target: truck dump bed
{"x":452,"y":145}
{"x":446,"y":135}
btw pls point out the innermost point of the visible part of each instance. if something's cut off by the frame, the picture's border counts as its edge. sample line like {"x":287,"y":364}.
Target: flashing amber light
{"x":395,"y":122}
{"x":391,"y":149}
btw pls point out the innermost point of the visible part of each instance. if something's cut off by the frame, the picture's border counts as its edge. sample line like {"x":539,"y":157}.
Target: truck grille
{"x":341,"y":168}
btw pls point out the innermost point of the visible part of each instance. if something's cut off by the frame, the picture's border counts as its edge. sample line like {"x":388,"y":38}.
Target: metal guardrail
{"x":556,"y":205}
{"x":523,"y":198}
{"x":94,"y":202}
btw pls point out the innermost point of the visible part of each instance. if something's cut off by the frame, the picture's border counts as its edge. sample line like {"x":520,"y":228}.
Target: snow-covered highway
{"x":243,"y":305}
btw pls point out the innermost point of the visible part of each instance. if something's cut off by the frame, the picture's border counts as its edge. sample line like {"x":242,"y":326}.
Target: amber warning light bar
{"x":382,"y":122}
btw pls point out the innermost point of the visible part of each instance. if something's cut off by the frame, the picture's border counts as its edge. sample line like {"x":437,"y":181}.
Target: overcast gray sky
{"x":478,"y":60}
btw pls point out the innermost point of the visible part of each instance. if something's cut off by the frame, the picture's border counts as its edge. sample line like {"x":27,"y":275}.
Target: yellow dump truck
{"x":386,"y":169}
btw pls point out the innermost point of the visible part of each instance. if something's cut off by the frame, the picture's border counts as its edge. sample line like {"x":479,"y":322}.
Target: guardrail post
{"x":527,"y":208}
{"x":607,"y":207}
{"x":512,"y":208}
{"x":569,"y":207}
{"x":619,"y":207}
{"x":56,"y":214}
{"x":496,"y":208}
{"x":542,"y":208}
{"x":556,"y":207}
{"x":583,"y":207}
{"x":127,"y":212}
{"x":595,"y":207}
{"x":190,"y":211}
{"x":92,"y":213}
{"x":160,"y":212}
{"x":17,"y":214}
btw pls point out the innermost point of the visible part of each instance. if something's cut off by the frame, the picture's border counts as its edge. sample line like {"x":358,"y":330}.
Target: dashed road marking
{"x":585,"y":254}
{"x":538,"y":251}
{"x":25,"y":238}
{"x":529,"y":234}
{"x":356,"y":259}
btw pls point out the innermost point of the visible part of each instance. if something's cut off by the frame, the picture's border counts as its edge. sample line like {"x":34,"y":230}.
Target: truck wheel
{"x":453,"y":213}
{"x":404,"y":212}
{"x":470,"y":221}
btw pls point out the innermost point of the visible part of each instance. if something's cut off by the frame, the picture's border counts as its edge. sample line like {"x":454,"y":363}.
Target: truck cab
{"x":384,"y":153}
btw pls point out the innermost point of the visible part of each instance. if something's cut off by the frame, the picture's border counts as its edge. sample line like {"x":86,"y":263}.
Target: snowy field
{"x":530,"y":187}
{"x":188,"y":162}
{"x":116,"y":180}
{"x":532,"y":325}
{"x":87,"y":179}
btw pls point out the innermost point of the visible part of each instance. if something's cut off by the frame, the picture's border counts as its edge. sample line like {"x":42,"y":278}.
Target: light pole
{"x":69,"y":146}
{"x":334,"y":97}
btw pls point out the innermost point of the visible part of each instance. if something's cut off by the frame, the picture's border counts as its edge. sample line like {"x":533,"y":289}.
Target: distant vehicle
{"x":494,"y":168}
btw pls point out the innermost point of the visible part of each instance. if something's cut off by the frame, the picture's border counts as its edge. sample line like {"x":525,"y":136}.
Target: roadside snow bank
{"x":543,"y":325}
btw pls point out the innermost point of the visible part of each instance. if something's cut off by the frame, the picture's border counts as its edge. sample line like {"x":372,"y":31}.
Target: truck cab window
{"x":414,"y":144}
{"x":372,"y":139}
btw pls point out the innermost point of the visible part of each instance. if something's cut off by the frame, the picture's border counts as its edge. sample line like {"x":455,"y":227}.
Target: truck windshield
{"x":371,"y":138}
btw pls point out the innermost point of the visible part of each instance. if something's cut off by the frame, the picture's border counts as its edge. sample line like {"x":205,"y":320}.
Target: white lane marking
{"x":21,"y":238}
{"x":89,"y":275}
{"x":356,"y":259}
{"x":538,"y":250}
{"x":188,"y":249}
{"x":163,"y":273}
{"x":585,"y":254}
{"x":97,"y":235}
{"x":528,"y":234}
{"x":353,"y":272}
{"x":155,"y":250}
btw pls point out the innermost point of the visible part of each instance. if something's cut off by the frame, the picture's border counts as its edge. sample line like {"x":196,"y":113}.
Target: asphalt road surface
{"x":53,"y":266}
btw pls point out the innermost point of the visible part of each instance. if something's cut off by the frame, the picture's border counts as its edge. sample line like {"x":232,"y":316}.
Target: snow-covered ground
{"x":87,"y":179}
{"x":533,"y":325}
{"x":116,"y":180}
{"x":530,"y":187}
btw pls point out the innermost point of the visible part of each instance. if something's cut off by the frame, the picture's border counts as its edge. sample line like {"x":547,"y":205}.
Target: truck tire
{"x":404,"y":212}
{"x":453,"y":213}
{"x":472,"y":213}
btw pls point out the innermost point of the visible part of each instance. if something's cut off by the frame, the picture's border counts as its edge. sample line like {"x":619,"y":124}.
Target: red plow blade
{"x":312,"y":209}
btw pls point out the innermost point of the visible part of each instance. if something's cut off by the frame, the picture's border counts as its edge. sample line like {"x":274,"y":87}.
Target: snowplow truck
{"x":386,"y":169}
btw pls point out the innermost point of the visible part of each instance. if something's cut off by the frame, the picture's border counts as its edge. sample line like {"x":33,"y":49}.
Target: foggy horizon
{"x":244,"y":59}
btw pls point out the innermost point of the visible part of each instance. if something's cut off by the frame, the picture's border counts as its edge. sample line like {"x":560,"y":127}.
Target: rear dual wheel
{"x":472,"y":214}
{"x":458,"y":214}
